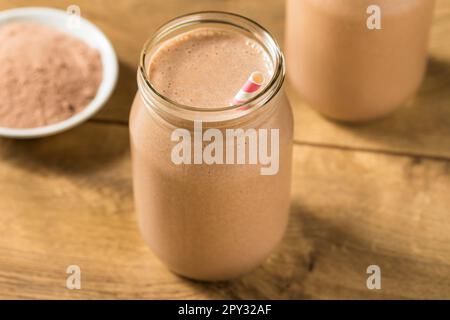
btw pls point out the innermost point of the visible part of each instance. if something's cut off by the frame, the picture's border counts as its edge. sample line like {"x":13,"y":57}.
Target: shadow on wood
{"x":281,"y":276}
{"x":422,"y":123}
{"x":80,"y":150}
{"x":118,"y":106}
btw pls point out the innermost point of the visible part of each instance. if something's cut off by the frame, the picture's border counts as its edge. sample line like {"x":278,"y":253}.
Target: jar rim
{"x":219,"y":17}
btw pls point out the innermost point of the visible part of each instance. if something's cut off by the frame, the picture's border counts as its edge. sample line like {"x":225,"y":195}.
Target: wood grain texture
{"x":67,"y":200}
{"x":361,"y":195}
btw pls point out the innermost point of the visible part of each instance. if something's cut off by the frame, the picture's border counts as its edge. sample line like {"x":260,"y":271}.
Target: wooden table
{"x":371,"y":194}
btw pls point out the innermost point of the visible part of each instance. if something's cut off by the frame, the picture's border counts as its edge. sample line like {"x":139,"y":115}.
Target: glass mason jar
{"x":209,"y":221}
{"x":349,"y":71}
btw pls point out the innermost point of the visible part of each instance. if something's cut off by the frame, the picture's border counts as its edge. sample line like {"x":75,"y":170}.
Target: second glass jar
{"x":348,"y":71}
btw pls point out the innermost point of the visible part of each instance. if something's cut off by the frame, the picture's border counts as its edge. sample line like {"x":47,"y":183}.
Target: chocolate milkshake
{"x":349,"y":71}
{"x":209,"y":221}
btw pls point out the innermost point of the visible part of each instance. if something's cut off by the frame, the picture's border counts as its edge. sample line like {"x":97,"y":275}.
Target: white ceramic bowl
{"x":91,"y":35}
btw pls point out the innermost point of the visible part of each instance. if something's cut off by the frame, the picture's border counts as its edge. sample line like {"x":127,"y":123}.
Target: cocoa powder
{"x":46,"y":76}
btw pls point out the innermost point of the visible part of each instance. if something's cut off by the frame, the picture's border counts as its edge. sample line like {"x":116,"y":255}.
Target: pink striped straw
{"x":249,"y":89}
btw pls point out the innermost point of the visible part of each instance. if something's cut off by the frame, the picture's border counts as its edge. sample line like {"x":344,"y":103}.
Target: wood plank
{"x":357,"y":209}
{"x":421,"y":127}
{"x":68,"y":200}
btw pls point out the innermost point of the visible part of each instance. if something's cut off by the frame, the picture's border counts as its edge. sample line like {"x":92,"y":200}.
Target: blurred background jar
{"x":348,"y":71}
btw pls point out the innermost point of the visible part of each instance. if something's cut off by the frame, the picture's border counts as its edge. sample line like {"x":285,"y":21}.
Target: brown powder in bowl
{"x":46,"y":76}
